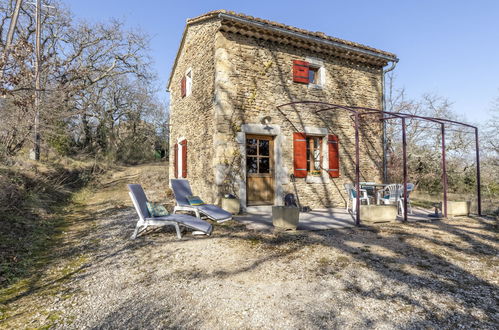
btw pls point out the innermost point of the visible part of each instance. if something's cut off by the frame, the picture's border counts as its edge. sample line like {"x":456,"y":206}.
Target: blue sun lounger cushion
{"x":156,"y":210}
{"x":195,"y":200}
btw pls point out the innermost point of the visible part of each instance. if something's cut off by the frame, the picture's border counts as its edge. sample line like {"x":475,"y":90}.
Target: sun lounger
{"x":139,"y":200}
{"x":182,"y":189}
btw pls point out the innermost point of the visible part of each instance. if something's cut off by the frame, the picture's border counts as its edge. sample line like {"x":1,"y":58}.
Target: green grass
{"x":30,"y":236}
{"x":24,"y":244}
{"x":33,"y":217}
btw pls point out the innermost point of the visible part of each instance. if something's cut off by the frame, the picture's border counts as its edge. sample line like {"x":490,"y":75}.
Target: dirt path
{"x":441,"y":274}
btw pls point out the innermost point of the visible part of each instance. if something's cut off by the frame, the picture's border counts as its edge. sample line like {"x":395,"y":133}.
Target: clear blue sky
{"x":447,"y":47}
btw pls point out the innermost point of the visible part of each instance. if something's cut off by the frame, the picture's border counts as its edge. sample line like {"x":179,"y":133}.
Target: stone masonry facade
{"x":192,"y":117}
{"x":238,"y":80}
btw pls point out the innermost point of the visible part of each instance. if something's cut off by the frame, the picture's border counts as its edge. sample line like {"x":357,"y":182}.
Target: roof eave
{"x":330,"y":43}
{"x":265,"y":26}
{"x":176,"y":58}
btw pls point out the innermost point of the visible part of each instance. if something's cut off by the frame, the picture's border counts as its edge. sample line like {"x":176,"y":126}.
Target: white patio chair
{"x":392,"y":194}
{"x":410,"y":188}
{"x":352,"y":194}
{"x":369,"y":187}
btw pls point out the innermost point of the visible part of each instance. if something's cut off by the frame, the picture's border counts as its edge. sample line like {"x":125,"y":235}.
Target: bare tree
{"x":88,"y":76}
{"x":492,"y":130}
{"x":424,"y":142}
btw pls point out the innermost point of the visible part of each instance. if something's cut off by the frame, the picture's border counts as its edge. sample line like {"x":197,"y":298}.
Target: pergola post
{"x":444,"y":170}
{"x":478,"y":188}
{"x":354,"y":110}
{"x":404,"y":159}
{"x":357,"y":170}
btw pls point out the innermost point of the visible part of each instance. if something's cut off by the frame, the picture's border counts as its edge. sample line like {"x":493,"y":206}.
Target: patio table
{"x":376,"y":187}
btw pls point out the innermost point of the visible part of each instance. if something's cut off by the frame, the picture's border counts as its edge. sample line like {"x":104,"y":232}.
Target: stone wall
{"x":192,"y":117}
{"x":253,"y":76}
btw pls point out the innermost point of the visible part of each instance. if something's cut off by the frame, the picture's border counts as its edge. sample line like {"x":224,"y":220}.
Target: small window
{"x":308,"y":73}
{"x":313,"y":75}
{"x":314,"y":155}
{"x":188,"y":82}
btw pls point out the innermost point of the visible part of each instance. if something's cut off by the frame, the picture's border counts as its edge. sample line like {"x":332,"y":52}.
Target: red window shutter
{"x":175,"y":160}
{"x":184,"y":158}
{"x":300,"y":155}
{"x":183,"y":89}
{"x":300,"y":71}
{"x":334,"y":156}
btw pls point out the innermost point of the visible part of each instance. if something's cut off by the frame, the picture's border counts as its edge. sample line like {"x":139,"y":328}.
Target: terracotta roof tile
{"x":317,"y":34}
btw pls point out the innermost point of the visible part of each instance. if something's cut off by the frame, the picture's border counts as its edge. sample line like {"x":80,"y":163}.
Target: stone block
{"x":457,"y":208}
{"x":285,"y":217}
{"x":378,"y":213}
{"x":232,"y":205}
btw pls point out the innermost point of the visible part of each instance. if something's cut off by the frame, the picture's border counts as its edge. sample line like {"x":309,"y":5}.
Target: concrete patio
{"x":260,"y":218}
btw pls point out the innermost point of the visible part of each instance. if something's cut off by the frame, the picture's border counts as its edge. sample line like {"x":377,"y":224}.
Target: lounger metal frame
{"x":193,"y":208}
{"x":168,"y":220}
{"x":145,"y":222}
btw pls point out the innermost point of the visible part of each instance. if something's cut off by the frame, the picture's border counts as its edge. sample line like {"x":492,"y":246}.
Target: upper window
{"x":188,"y":82}
{"x":309,"y":73}
{"x":313,"y":75}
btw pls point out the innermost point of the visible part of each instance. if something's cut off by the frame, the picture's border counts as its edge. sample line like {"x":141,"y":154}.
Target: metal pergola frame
{"x":358,"y":112}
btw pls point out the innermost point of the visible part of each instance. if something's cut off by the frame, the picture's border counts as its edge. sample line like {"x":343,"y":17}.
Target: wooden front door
{"x":260,"y":169}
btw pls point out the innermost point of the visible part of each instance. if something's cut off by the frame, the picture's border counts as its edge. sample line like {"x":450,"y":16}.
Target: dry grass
{"x":31,"y":198}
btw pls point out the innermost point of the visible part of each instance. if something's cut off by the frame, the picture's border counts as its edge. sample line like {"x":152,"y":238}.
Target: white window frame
{"x":321,"y":132}
{"x":188,"y":82}
{"x":321,"y":72}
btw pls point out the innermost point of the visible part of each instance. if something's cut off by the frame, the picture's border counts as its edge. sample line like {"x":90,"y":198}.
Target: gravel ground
{"x":422,"y":275}
{"x":396,"y":276}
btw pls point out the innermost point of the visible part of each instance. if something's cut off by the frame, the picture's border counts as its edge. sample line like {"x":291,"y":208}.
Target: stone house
{"x":226,"y":134}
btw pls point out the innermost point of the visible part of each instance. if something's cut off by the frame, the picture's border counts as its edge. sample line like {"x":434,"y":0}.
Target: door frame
{"x":280,"y":174}
{"x":271,"y":173}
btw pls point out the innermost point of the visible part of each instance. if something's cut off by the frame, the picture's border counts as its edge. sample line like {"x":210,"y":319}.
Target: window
{"x":314,"y":155}
{"x":309,"y":152}
{"x":180,"y":159}
{"x":258,"y":155}
{"x":188,"y":82}
{"x":311,"y":73}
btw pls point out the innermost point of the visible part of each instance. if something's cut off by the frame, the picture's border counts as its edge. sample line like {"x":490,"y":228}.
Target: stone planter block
{"x":455,"y":209}
{"x":232,"y":205}
{"x":378,"y":213}
{"x":285,"y":217}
